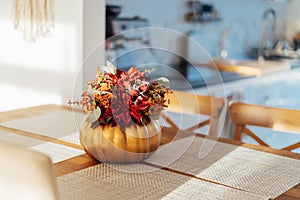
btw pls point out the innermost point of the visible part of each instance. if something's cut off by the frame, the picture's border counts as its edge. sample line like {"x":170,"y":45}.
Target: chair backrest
{"x":278,"y":119}
{"x":189,"y":103}
{"x":25,"y":174}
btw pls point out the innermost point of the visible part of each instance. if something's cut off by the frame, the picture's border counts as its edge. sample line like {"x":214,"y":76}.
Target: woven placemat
{"x":72,"y":138}
{"x":55,"y":124}
{"x":57,"y":152}
{"x":105,"y":182}
{"x":250,"y":170}
{"x":19,"y":140}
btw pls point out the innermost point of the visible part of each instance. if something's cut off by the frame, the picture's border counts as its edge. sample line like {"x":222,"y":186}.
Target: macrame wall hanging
{"x":33,"y":18}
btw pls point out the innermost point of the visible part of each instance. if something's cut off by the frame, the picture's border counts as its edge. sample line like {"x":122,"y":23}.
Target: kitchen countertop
{"x":198,"y":77}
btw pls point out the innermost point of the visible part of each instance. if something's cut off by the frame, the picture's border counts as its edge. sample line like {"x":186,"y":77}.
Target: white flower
{"x":109,"y":68}
{"x":164,"y":81}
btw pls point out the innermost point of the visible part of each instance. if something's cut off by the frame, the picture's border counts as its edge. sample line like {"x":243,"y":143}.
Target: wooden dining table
{"x":215,"y":174}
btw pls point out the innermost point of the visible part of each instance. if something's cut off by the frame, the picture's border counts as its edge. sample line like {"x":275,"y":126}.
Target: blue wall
{"x":240,"y":21}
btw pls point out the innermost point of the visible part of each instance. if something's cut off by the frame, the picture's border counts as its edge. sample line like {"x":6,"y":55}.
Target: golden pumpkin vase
{"x":112,"y":144}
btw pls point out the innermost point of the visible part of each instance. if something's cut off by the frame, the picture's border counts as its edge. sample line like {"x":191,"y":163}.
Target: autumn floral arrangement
{"x":122,"y":98}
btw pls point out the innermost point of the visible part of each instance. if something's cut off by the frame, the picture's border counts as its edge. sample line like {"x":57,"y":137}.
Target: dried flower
{"x":121,"y":98}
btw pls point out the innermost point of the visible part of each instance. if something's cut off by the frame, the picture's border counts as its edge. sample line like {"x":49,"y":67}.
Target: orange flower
{"x":103,"y":99}
{"x":87,"y":102}
{"x":124,"y":97}
{"x":104,"y":87}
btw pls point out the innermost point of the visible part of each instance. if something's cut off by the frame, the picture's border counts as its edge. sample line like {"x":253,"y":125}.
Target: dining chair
{"x":185,"y":103}
{"x":26,"y":174}
{"x":278,"y":119}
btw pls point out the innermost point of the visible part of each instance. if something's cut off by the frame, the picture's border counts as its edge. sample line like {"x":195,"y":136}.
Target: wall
{"x":93,"y":37}
{"x":240,"y":20}
{"x":45,"y":71}
{"x":292,"y":19}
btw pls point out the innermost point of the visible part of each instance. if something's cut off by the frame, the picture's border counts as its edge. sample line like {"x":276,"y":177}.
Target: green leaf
{"x":155,"y":117}
{"x":93,"y":116}
{"x":143,"y":120}
{"x":111,"y":68}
